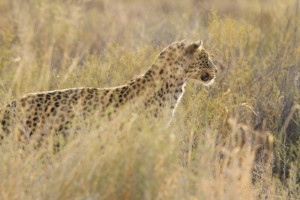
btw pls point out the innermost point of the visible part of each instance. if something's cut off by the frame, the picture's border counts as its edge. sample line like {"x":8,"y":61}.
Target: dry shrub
{"x":219,"y":144}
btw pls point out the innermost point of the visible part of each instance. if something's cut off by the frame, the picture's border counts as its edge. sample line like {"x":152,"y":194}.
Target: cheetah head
{"x":199,"y":66}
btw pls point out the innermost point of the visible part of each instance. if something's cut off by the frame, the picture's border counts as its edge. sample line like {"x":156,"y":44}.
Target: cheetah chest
{"x":174,"y":98}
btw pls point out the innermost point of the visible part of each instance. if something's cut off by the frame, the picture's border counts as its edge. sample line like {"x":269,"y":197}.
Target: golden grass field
{"x":237,"y":139}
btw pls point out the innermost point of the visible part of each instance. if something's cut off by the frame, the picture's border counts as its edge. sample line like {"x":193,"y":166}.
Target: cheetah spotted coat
{"x":158,"y":90}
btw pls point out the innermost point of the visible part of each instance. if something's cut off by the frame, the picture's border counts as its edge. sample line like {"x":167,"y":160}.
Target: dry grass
{"x":238,"y":139}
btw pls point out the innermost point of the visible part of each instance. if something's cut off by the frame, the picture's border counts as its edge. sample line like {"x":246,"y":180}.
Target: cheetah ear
{"x":193,"y":47}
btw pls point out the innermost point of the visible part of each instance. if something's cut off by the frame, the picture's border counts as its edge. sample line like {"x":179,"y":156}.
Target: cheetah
{"x":159,"y":89}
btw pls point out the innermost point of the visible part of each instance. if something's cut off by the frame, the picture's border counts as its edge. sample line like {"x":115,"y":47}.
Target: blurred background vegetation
{"x":237,"y":139}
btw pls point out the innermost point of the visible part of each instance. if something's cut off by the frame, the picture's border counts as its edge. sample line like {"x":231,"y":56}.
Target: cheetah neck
{"x":169,"y":86}
{"x":161,"y":74}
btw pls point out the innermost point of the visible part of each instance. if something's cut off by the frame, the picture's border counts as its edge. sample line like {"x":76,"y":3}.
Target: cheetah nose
{"x":204,"y":77}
